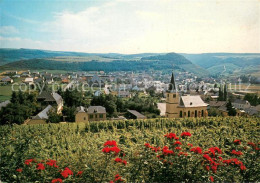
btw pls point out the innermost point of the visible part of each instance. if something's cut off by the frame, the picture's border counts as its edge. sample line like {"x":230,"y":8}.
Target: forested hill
{"x":227,"y":63}
{"x":109,"y":62}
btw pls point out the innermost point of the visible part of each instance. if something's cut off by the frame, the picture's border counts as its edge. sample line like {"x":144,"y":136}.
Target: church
{"x":183,"y":106}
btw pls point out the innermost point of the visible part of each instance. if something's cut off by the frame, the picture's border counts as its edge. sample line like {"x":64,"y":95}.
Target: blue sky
{"x":128,"y":26}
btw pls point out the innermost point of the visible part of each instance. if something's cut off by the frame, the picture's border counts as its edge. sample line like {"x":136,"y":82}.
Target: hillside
{"x":246,"y":63}
{"x":109,"y":62}
{"x":10,"y":55}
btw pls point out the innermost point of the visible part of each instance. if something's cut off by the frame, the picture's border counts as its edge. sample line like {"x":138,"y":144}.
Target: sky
{"x":131,"y":26}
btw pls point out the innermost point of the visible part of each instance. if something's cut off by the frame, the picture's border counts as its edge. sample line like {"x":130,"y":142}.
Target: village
{"x":176,"y":95}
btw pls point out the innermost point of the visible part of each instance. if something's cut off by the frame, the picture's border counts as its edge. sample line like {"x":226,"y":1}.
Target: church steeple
{"x":172,"y":85}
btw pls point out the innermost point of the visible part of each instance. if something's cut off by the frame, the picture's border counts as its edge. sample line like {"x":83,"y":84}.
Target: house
{"x":29,"y":80}
{"x":16,"y":76}
{"x":214,"y":97}
{"x":241,"y":104}
{"x":65,"y":80}
{"x":135,"y":88}
{"x":4,"y":104}
{"x":51,"y":98}
{"x":26,"y":74}
{"x":96,"y":113}
{"x":81,"y":115}
{"x":124,"y":94}
{"x":93,"y":113}
{"x":96,"y":81}
{"x":97,"y":93}
{"x":252,"y":111}
{"x":39,"y":80}
{"x":7,"y":79}
{"x":183,"y":106}
{"x":133,"y":114}
{"x":224,"y":111}
{"x":40,"y":118}
{"x":119,"y":118}
{"x":106,"y":91}
{"x":217,"y":104}
{"x":49,"y":81}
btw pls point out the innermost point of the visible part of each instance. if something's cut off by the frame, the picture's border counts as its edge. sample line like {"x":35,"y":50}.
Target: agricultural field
{"x":153,"y":150}
{"x":254,"y":88}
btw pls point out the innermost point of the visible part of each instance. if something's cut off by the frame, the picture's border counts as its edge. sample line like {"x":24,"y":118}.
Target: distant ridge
{"x":41,"y":59}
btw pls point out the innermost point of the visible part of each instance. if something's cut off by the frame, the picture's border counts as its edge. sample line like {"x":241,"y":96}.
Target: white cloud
{"x":8,"y":30}
{"x":157,"y":26}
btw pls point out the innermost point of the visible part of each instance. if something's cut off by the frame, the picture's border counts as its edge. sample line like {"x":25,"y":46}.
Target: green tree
{"x":53,"y":117}
{"x":225,"y":93}
{"x":14,"y":97}
{"x":69,"y":112}
{"x":231,"y":109}
{"x":221,"y":95}
{"x":252,"y":98}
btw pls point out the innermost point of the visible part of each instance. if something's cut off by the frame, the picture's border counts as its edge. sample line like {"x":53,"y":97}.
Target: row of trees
{"x":222,"y":93}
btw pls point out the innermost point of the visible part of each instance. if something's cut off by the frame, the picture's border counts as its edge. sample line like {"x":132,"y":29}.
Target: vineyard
{"x":153,"y":150}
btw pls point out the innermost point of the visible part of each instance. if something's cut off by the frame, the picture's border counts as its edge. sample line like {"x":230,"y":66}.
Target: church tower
{"x":172,"y":100}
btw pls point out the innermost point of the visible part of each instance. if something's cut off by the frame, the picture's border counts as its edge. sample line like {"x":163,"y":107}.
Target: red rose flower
{"x":28,"y":161}
{"x":52,"y":163}
{"x":170,"y":135}
{"x":119,"y":160}
{"x":211,"y":179}
{"x":185,"y":134}
{"x":155,"y":149}
{"x":207,"y":168}
{"x":40,"y":166}
{"x":66,"y":172}
{"x":110,"y":143}
{"x":147,"y":145}
{"x":56,"y":180}
{"x":213,"y":150}
{"x":243,"y":167}
{"x":114,"y":149}
{"x":237,"y":142}
{"x":19,"y":170}
{"x":177,"y":143}
{"x":124,"y":162}
{"x":79,"y":173}
{"x":118,"y":178}
{"x":214,"y":168}
{"x":166,"y":151}
{"x":183,"y":153}
{"x":190,"y":145}
{"x":238,"y":153}
{"x":251,"y":144}
{"x":197,"y":150}
{"x":178,"y":148}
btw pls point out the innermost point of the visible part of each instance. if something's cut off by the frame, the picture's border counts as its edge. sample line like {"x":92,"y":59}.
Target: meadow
{"x":153,"y":150}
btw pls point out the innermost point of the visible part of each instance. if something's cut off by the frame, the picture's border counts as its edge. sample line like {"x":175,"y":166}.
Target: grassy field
{"x":5,"y":92}
{"x":79,"y":147}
